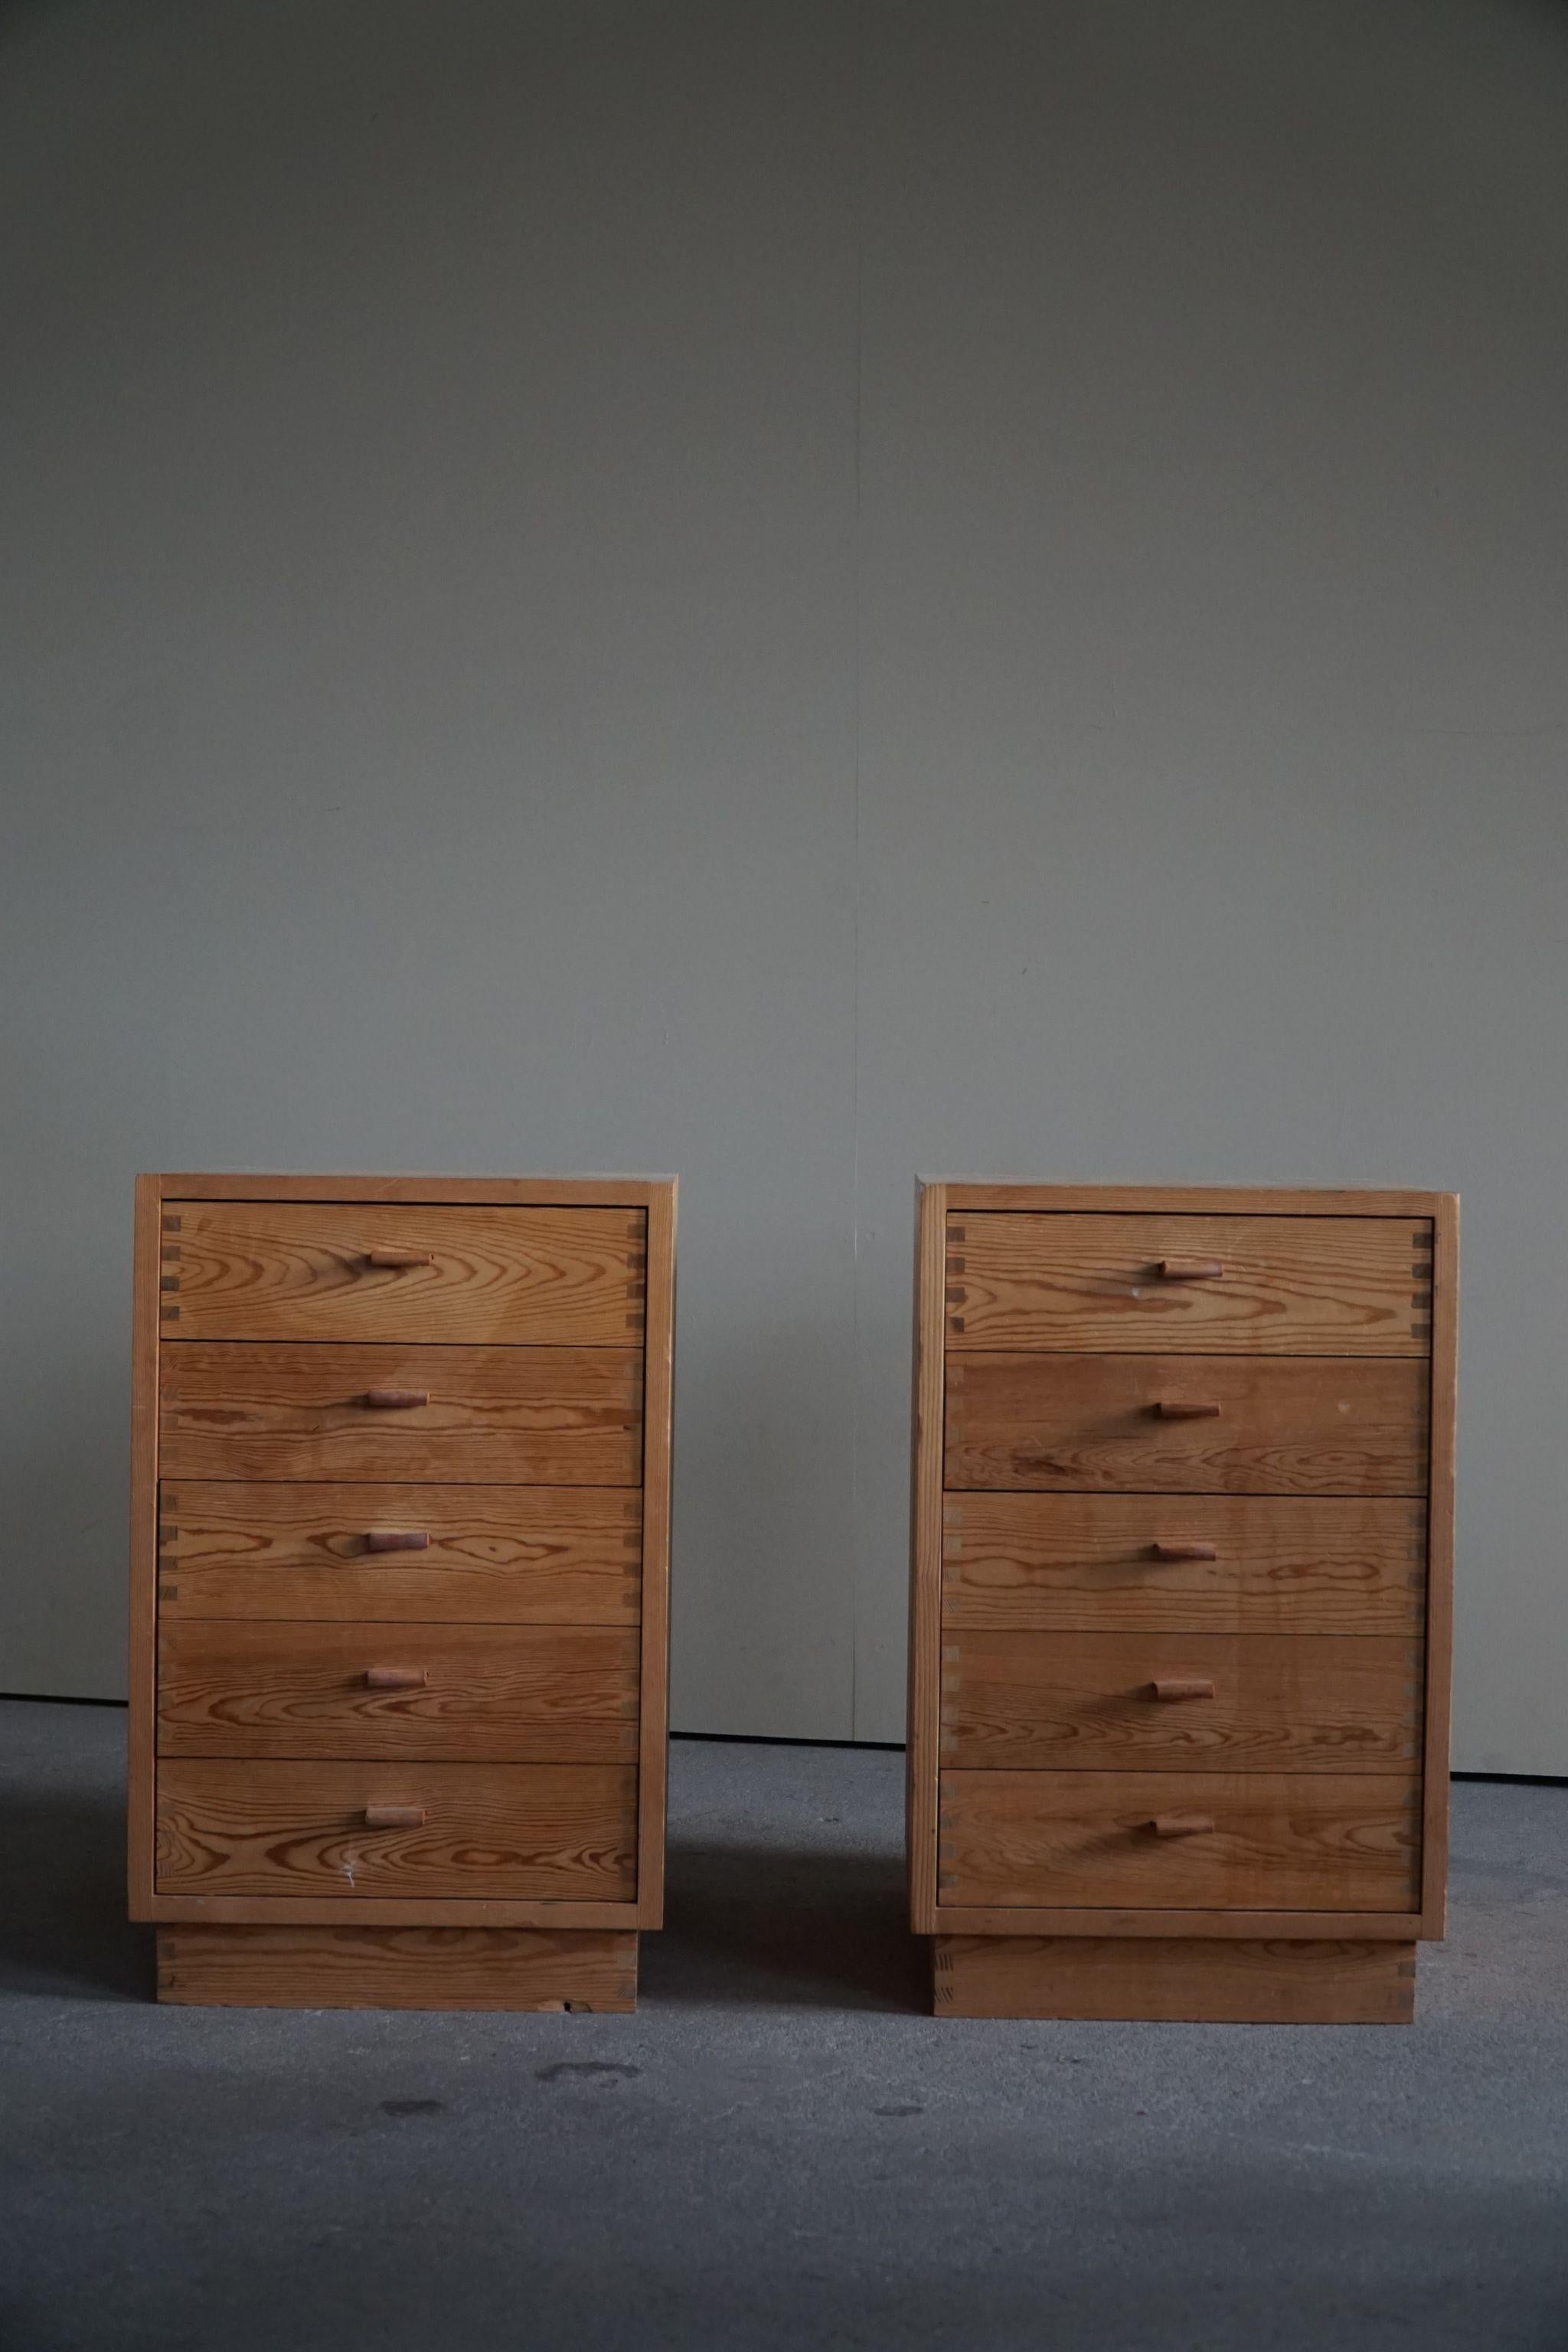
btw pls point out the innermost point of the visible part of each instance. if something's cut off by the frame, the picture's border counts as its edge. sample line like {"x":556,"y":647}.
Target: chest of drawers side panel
{"x":922,"y":1758}
{"x":142,"y":1681}
{"x":1444,"y":1370}
{"x":658,"y":1379}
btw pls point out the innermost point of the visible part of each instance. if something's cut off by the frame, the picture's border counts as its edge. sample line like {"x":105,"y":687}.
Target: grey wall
{"x":793,"y":591}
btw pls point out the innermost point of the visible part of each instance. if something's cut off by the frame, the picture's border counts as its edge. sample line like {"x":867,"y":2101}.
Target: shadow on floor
{"x":751,"y":1924}
{"x":63,"y":1928}
{"x":773,"y":1929}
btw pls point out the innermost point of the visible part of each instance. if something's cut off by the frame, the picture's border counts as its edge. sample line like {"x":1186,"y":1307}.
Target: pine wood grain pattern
{"x":1201,"y":1981}
{"x":143,"y":1551}
{"x":562,"y":1572}
{"x":923,"y":1758}
{"x":546,"y":1416}
{"x":1286,"y":1286}
{"x":1440,"y":1567}
{"x":1287,"y":1424}
{"x":1289,"y":1702}
{"x":1191,"y":1200}
{"x":538,"y":1693}
{"x":1293,"y":1554}
{"x":1086,"y":1564}
{"x":518,"y":1831}
{"x":1297,"y":1841}
{"x":398,"y":1967}
{"x":657,"y":1416}
{"x":495,"y":1555}
{"x":499,"y":1276}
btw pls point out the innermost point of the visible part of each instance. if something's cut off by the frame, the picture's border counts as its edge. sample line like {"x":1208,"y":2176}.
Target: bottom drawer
{"x":550,"y":1832}
{"x":1181,"y":1841}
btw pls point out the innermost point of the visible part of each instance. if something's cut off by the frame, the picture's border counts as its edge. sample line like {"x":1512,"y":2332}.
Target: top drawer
{"x":332,"y":1270}
{"x":1246,"y":1285}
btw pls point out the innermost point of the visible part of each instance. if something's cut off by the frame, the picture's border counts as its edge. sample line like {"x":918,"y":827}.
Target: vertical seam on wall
{"x":858,"y":134}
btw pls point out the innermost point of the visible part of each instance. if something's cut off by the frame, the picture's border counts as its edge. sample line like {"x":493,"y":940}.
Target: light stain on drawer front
{"x":1254,"y":1286}
{"x":1273,"y":1563}
{"x":495,"y":1555}
{"x":546,"y":1693}
{"x":1280,"y":1841}
{"x":306,"y":1270}
{"x":1285,"y":1702}
{"x":508,"y":1832}
{"x":1286,"y":1425}
{"x":546,"y":1416}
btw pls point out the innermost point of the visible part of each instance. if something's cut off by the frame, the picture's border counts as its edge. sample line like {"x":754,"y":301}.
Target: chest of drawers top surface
{"x":400,"y":1550}
{"x":1181,"y":1566}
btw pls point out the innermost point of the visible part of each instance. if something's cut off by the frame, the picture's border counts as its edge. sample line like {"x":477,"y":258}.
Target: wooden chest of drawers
{"x":399,"y":1579}
{"x":1181,"y":1598}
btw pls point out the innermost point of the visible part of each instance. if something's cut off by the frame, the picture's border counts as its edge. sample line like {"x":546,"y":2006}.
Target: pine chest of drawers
{"x":1181,"y":1598}
{"x":399,"y":1575}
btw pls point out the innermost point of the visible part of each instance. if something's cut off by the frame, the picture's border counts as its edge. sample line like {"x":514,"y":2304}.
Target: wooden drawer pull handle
{"x":398,"y":1257}
{"x":1173,"y":1686}
{"x":1185,"y":1551}
{"x":395,"y":1678}
{"x":396,"y":1539}
{"x":399,"y":1400}
{"x":1181,"y":1824}
{"x":394,"y":1817}
{"x":1174,"y":1409}
{"x":1189,"y":1270}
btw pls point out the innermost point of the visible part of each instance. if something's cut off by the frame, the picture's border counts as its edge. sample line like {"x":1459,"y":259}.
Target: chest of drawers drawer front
{"x":1218,"y":1702}
{"x":517,"y":1831}
{"x":1210,"y":1563}
{"x":544,"y":1416}
{"x":1252,"y":1285}
{"x":545,"y":1694}
{"x":394,"y":1554}
{"x":333,"y":1270}
{"x":1243,"y":1841}
{"x":1188,"y":1423}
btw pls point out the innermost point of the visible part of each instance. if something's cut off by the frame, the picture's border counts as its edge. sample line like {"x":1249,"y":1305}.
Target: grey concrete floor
{"x":779,"y":2150}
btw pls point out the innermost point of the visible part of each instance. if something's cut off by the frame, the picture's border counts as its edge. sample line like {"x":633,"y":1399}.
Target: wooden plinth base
{"x":398,"y":1967}
{"x":1210,"y":1980}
